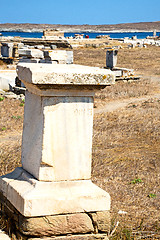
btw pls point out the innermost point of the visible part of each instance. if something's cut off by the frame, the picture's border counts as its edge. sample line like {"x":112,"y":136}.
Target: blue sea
{"x":115,"y":35}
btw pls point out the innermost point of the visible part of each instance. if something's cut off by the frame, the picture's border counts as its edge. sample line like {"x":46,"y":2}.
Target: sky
{"x":79,"y":12}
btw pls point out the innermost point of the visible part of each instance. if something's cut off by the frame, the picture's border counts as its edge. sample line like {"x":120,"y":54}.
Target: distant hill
{"x":141,"y":26}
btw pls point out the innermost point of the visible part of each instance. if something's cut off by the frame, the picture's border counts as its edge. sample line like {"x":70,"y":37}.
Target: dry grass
{"x":11,"y":121}
{"x":3,"y":65}
{"x":125,"y":142}
{"x":90,"y":57}
{"x":125,"y":148}
{"x":138,"y":59}
{"x":124,"y":90}
{"x":144,"y":60}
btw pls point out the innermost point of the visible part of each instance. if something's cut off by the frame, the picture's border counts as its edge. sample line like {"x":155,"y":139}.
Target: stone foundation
{"x":78,"y":226}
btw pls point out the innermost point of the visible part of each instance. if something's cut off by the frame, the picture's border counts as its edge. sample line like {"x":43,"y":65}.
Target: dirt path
{"x":115,"y":105}
{"x":121,"y":103}
{"x":108,"y":107}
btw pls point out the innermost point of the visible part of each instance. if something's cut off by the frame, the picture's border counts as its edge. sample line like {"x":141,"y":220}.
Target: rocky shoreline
{"x":126,"y":27}
{"x":73,"y":30}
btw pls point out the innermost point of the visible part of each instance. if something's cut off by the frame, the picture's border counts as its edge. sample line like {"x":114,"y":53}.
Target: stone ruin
{"x":35,"y":54}
{"x":52,"y":194}
{"x":46,"y":56}
{"x":141,"y":43}
{"x":9,"y":51}
{"x":111,"y":58}
{"x":120,"y":73}
{"x":52,"y":34}
{"x":18,"y":52}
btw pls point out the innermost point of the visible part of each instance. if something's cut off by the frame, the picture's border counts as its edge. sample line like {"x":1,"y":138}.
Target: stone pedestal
{"x":7,"y":50}
{"x":54,"y":183}
{"x":111,"y":58}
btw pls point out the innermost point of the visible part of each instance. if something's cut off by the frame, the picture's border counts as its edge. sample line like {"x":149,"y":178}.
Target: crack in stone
{"x":95,"y":225}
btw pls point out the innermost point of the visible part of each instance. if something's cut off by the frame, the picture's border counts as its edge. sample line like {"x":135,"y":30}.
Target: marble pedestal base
{"x":34,"y":198}
{"x":63,"y":210}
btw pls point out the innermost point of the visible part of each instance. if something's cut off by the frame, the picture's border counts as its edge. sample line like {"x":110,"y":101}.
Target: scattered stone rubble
{"x":29,"y":54}
{"x":37,"y":54}
{"x":26,"y":54}
{"x":12,"y":95}
{"x":134,"y":42}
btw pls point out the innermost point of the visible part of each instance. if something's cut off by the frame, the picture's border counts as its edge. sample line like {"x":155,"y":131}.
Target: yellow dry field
{"x":126,"y":140}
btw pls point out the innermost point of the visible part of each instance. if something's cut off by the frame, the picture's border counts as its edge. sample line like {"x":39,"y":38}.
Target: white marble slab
{"x":70,"y":74}
{"x":35,"y":198}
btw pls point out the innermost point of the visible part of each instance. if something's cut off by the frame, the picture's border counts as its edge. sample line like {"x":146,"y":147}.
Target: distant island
{"x":122,"y":27}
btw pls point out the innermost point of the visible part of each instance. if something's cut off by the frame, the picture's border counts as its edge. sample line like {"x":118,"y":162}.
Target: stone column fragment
{"x":111,"y":58}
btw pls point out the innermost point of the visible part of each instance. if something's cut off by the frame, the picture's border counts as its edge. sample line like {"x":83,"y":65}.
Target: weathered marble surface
{"x":7,"y":79}
{"x":58,"y":122}
{"x":37,"y":198}
{"x":61,"y":56}
{"x":71,"y":74}
{"x":57,"y":137}
{"x":31,"y":53}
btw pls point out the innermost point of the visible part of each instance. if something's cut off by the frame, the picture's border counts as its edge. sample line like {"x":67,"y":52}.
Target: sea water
{"x":115,"y":35}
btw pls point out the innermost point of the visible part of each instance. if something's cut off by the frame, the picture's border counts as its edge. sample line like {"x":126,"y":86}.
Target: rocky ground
{"x":126,"y":140}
